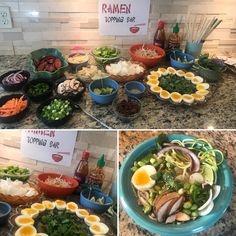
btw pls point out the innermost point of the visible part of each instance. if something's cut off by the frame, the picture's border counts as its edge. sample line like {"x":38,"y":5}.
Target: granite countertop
{"x":224,"y":140}
{"x":218,"y":112}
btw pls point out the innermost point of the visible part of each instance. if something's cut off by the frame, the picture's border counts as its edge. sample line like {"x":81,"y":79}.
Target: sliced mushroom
{"x":171,"y":219}
{"x":180,"y":216}
{"x":164,"y":198}
{"x":176,"y":206}
{"x":162,"y":212}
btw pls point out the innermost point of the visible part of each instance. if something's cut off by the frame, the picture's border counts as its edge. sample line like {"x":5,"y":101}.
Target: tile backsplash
{"x":96,"y":142}
{"x":65,"y":23}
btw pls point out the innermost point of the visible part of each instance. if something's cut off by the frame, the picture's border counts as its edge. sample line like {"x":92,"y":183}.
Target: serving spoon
{"x":91,"y":116}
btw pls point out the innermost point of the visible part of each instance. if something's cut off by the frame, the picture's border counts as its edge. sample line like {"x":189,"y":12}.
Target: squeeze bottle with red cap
{"x":82,"y":169}
{"x":160,"y":37}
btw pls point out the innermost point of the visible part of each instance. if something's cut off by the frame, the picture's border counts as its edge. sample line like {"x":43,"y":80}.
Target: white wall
{"x":65,"y":23}
{"x":96,"y":142}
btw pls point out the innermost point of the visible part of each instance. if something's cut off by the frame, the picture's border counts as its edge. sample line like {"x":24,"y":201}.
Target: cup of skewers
{"x":198,"y":28}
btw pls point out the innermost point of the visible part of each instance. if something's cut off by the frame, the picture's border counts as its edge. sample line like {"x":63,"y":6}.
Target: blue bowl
{"x":129,"y":201}
{"x":5,"y":210}
{"x":181,"y":65}
{"x":96,"y":207}
{"x":103,"y":99}
{"x":136,"y":85}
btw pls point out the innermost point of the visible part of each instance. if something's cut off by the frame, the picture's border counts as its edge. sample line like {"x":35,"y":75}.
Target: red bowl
{"x":53,"y":191}
{"x":145,"y":60}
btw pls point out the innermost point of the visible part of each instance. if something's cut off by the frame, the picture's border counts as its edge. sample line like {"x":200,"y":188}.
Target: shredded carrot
{"x":13,"y":107}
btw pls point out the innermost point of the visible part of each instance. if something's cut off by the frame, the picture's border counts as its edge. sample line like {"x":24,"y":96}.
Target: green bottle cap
{"x":176,"y":28}
{"x":101,"y":162}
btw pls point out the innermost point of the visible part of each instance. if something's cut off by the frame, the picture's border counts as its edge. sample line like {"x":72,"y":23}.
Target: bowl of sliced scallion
{"x":55,"y":111}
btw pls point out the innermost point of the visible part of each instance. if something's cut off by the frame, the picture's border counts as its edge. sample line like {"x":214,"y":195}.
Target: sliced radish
{"x":216,"y":191}
{"x":207,"y":202}
{"x":196,"y":178}
{"x":207,"y":210}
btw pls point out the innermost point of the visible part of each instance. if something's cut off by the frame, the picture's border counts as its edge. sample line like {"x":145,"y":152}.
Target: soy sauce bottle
{"x":82,"y":169}
{"x":160,"y":36}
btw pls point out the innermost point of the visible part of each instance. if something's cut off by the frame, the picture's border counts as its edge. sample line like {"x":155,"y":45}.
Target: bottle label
{"x":80,"y":178}
{"x":159,"y":43}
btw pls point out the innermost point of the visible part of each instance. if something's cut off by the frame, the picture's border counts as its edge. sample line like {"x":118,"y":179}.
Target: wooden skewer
{"x":211,"y":30}
{"x":201,"y":23}
{"x":194,"y":23}
{"x":210,"y":26}
{"x":205,"y":26}
{"x":198,"y":32}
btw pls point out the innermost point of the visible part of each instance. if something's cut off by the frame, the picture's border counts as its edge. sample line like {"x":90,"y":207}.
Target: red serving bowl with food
{"x":54,"y":191}
{"x":148,"y":61}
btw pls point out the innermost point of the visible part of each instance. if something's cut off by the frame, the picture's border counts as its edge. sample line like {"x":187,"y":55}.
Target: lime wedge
{"x":208,"y":174}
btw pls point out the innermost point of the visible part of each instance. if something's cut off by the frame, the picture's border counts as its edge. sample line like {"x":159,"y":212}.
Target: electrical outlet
{"x":5,"y":17}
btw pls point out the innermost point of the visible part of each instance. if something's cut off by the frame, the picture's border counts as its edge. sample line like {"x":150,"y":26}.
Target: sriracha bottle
{"x":96,"y":176}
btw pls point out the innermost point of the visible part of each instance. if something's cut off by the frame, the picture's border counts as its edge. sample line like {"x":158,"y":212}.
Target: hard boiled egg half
{"x":156,"y":89}
{"x":30,"y":212}
{"x":202,"y":92}
{"x":91,"y":219}
{"x":49,"y":205}
{"x":141,"y":178}
{"x":176,"y":97}
{"x":171,"y":70}
{"x":41,"y":234}
{"x":82,"y":213}
{"x":156,"y":73}
{"x":189,"y":99}
{"x":180,"y":73}
{"x":202,"y":86}
{"x":189,"y":76}
{"x":26,"y":230}
{"x":60,"y":205}
{"x":151,"y":82}
{"x":164,"y":94}
{"x":197,"y":80}
{"x":24,"y":220}
{"x":198,"y":97}
{"x":38,"y":206}
{"x":152,"y":76}
{"x":71,"y":206}
{"x":99,"y":228}
{"x":163,"y":71}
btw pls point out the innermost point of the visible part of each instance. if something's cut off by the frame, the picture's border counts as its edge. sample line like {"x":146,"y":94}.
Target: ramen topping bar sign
{"x":128,"y":17}
{"x":50,"y":146}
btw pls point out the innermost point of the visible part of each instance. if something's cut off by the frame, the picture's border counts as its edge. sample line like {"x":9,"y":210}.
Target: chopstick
{"x":199,"y":32}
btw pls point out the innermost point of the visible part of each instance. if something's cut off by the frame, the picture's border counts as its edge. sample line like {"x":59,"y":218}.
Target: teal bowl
{"x":130,"y":205}
{"x":36,"y":55}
